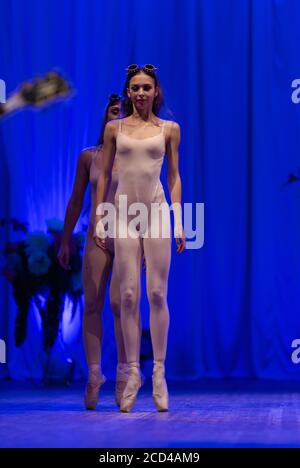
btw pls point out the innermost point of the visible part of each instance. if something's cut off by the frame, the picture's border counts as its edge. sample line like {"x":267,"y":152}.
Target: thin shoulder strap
{"x":163,"y":126}
{"x":120,"y":125}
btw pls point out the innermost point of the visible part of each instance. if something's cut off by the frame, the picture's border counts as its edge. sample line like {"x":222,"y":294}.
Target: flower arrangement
{"x":32,"y":268}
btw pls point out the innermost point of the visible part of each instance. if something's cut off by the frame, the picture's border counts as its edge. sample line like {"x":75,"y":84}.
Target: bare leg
{"x":122,"y":368}
{"x":128,"y":262}
{"x":128,"y":255}
{"x":115,"y":304}
{"x":97,"y":265}
{"x":157,"y":256}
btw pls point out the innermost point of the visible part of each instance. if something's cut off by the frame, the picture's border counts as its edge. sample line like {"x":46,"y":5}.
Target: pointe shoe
{"x":131,"y":390}
{"x":160,"y":390}
{"x":91,"y":393}
{"x":121,"y":381}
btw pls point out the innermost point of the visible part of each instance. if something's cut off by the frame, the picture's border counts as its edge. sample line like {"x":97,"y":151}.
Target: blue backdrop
{"x":226,"y":67}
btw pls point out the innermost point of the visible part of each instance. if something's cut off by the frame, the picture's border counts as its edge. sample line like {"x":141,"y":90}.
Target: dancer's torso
{"x":139,"y":163}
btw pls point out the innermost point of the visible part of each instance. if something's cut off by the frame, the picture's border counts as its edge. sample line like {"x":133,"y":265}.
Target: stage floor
{"x":230,"y":413}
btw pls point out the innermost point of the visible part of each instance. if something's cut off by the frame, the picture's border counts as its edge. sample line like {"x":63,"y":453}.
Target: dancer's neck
{"x":146,"y":116}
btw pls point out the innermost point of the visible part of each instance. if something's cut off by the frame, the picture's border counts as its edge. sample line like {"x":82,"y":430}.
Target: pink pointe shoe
{"x":160,"y":389}
{"x":121,"y":381}
{"x":91,"y":394}
{"x":131,"y":390}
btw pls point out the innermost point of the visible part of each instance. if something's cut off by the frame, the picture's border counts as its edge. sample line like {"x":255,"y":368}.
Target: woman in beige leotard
{"x":139,"y":143}
{"x":97,"y":266}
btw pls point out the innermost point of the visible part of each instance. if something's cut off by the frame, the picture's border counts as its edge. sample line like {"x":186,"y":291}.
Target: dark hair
{"x":112,"y":101}
{"x":158,"y":100}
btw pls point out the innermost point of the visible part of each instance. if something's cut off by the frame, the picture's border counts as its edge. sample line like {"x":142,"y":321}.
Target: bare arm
{"x":75,"y":204}
{"x":174,"y":184}
{"x":107,"y":161}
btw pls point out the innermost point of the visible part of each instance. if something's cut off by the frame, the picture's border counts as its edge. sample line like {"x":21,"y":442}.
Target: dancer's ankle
{"x":95,"y":372}
{"x":134,"y":367}
{"x":159,"y":366}
{"x":132,"y":364}
{"x":122,"y":367}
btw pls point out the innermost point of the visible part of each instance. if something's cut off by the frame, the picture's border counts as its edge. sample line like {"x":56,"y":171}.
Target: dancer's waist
{"x":139,"y":193}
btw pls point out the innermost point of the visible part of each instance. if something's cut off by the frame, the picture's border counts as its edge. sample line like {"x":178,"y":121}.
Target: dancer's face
{"x":114,"y":112}
{"x":142,"y":91}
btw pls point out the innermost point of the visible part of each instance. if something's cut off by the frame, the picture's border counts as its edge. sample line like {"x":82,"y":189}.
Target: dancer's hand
{"x":180,"y":238}
{"x":100,"y":242}
{"x":64,"y":256}
{"x":99,"y":234}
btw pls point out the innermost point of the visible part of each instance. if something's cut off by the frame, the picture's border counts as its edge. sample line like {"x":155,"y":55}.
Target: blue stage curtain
{"x":226,"y":67}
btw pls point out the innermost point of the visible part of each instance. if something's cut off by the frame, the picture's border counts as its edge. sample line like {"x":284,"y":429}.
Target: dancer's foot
{"x":160,"y":389}
{"x":121,"y":381}
{"x":132,"y":387}
{"x":91,"y":394}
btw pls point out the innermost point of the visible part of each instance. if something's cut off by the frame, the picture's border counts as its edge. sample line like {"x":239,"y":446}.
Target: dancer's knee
{"x":128,"y":298}
{"x":157,"y":297}
{"x":92,"y":307}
